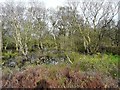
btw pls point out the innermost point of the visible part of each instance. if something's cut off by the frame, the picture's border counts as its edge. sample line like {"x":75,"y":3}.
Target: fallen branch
{"x":69,"y":59}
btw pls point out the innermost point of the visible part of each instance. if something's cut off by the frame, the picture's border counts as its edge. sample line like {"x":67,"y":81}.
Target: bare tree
{"x":97,"y":16}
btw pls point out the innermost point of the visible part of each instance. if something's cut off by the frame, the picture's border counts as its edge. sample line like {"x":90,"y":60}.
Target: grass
{"x":104,"y":63}
{"x":103,"y":66}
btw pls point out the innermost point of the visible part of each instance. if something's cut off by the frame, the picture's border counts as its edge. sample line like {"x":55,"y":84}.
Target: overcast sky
{"x":54,"y":3}
{"x":48,"y":3}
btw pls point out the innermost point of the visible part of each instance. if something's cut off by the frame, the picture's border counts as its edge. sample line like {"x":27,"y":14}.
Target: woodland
{"x":76,"y":45}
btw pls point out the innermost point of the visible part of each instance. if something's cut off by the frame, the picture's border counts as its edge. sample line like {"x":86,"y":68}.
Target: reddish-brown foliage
{"x":40,"y":77}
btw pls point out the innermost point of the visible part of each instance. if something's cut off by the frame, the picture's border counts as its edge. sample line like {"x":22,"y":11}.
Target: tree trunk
{"x":0,"y":55}
{"x":0,"y":46}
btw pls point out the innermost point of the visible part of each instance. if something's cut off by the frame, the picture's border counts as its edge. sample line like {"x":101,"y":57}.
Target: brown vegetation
{"x":40,"y":77}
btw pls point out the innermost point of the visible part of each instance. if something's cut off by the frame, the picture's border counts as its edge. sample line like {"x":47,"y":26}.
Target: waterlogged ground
{"x":85,"y":71}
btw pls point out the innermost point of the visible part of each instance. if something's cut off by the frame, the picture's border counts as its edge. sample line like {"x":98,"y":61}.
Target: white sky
{"x":48,"y":3}
{"x":54,"y":3}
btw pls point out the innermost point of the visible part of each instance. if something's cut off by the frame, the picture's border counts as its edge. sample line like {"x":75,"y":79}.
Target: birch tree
{"x":94,"y":13}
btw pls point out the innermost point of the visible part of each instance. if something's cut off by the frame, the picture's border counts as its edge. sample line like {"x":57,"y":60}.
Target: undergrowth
{"x":91,"y":71}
